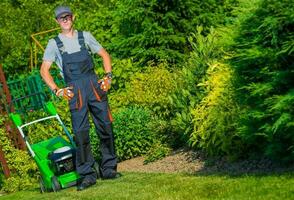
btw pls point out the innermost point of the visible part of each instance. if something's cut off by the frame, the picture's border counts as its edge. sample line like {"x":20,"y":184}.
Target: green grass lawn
{"x":177,"y":186}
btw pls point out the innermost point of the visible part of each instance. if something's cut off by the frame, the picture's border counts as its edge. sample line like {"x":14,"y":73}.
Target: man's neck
{"x":68,"y":33}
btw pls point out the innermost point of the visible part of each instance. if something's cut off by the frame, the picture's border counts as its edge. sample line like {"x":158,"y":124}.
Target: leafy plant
{"x":133,"y":136}
{"x":23,"y":169}
{"x":2,"y":177}
{"x":188,"y":93}
{"x":215,"y":117}
{"x":123,"y":70}
{"x":149,"y":89}
{"x":157,"y":152}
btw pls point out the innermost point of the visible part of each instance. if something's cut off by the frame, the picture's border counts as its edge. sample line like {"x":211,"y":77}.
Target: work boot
{"x":85,"y":184}
{"x":112,"y":175}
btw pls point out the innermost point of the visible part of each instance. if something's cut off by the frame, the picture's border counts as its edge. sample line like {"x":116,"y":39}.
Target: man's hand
{"x":106,"y":82}
{"x":65,"y":93}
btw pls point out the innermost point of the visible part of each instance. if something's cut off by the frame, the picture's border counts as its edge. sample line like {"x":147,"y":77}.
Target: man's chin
{"x":66,"y":29}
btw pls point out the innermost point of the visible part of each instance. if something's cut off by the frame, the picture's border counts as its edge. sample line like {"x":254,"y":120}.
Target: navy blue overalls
{"x":78,"y":71}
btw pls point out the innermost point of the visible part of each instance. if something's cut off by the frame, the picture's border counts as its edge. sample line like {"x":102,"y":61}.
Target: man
{"x":70,"y":51}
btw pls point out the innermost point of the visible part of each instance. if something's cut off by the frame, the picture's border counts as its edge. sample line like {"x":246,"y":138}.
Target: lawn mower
{"x":55,"y":157}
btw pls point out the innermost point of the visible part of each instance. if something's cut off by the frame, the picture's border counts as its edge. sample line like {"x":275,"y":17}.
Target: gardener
{"x":70,"y":51}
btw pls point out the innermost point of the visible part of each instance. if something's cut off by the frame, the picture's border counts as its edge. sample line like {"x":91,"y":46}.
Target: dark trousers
{"x":88,"y":97}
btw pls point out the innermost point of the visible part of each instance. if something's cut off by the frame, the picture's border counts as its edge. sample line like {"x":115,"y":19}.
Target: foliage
{"x":159,"y":35}
{"x":215,"y":116}
{"x":49,"y":128}
{"x":188,"y":93}
{"x":265,"y":80}
{"x":43,"y":130}
{"x":123,"y":70}
{"x":95,"y":143}
{"x":133,"y":136}
{"x":157,"y":151}
{"x":137,"y":123}
{"x":15,"y":34}
{"x":2,"y":178}
{"x":149,"y":89}
{"x":157,"y":30}
{"x":23,"y":169}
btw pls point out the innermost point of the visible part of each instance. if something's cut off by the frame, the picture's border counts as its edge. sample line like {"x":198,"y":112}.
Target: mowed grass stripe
{"x":177,"y":186}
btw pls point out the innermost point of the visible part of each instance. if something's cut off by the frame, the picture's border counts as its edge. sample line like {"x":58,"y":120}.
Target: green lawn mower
{"x":55,"y":157}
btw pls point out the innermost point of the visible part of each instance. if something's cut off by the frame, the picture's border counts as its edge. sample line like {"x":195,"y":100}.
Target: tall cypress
{"x":158,"y":29}
{"x":265,"y":69}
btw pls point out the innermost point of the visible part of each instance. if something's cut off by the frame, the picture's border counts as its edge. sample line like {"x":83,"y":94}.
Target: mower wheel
{"x":55,"y":184}
{"x":42,"y":186}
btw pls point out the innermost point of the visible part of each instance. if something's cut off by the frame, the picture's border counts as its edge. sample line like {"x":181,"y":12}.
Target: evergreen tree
{"x":158,"y":29}
{"x":266,"y":80}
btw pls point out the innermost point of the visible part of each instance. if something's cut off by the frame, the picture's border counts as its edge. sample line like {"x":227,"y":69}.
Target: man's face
{"x":65,"y":21}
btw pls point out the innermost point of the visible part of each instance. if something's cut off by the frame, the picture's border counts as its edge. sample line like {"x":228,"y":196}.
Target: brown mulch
{"x":187,"y":161}
{"x":179,"y":161}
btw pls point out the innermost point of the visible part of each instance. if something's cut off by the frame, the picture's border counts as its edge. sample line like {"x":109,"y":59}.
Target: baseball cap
{"x":61,"y":10}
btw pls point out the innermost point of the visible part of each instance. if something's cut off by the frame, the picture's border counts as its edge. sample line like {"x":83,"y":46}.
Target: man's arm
{"x":44,"y":71}
{"x":106,"y":81}
{"x":106,"y":60}
{"x":63,"y":92}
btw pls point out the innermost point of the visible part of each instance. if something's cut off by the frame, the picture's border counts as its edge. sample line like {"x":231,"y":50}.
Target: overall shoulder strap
{"x":59,"y":45}
{"x":81,"y":40}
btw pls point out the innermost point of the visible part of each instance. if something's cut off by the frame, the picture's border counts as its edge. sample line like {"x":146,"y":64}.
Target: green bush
{"x":157,"y":30}
{"x":215,"y":117}
{"x":187,"y":93}
{"x":264,"y":67}
{"x":95,"y":142}
{"x":23,"y":168}
{"x":2,"y":178}
{"x":149,"y":89}
{"x":15,"y":48}
{"x":133,"y":135}
{"x":42,"y":130}
{"x":123,"y":70}
{"x":24,"y":174}
{"x":143,"y":30}
{"x":157,"y":151}
{"x":49,"y":128}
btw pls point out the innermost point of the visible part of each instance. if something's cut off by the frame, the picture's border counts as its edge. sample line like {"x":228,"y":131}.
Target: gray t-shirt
{"x":71,"y":45}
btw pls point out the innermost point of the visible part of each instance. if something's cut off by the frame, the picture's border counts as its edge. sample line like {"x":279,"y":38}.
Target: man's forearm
{"x":48,"y":78}
{"x":106,"y":60}
{"x":107,"y":64}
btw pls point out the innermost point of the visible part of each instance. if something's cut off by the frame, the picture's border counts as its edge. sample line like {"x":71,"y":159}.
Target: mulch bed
{"x":190,"y":162}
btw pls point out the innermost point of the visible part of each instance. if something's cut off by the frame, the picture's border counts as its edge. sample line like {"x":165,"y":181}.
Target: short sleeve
{"x":92,"y":43}
{"x":50,"y":53}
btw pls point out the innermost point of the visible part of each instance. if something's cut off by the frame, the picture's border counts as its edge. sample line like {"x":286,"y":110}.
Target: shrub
{"x":95,"y":142}
{"x":123,"y":70}
{"x":157,"y":30}
{"x":157,"y":152}
{"x":2,"y":178}
{"x":187,"y":93}
{"x":133,"y":136}
{"x":264,"y":66}
{"x":149,"y":89}
{"x":23,"y":168}
{"x":215,"y":117}
{"x":49,"y":128}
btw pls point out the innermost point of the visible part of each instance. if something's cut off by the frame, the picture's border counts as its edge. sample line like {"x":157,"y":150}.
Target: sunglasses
{"x":65,"y":18}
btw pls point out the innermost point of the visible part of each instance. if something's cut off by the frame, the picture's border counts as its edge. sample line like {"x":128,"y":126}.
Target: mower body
{"x":55,"y":157}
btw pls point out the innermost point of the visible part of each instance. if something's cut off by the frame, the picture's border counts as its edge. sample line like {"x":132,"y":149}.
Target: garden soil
{"x":190,"y":162}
